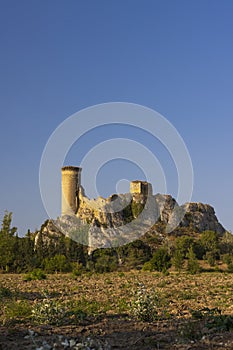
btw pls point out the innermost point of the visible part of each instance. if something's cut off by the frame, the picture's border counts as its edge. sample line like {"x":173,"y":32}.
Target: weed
{"x":5,"y":292}
{"x":144,"y":305}
{"x":214,"y":319}
{"x":48,"y":311}
{"x":16,"y":310}
{"x":77,"y":270}
{"x":188,"y":295}
{"x":108,"y":281}
{"x":191,"y":330}
{"x":220,"y":323}
{"x":121,"y":274}
{"x":162,"y":284}
{"x":76,"y":313}
{"x":92,"y":307}
{"x":36,"y":274}
{"x":122,"y":305}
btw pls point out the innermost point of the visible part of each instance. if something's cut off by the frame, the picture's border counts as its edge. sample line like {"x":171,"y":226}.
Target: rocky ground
{"x":97,"y":312}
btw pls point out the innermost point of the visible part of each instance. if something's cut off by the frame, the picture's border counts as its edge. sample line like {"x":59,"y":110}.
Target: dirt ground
{"x":107,"y":319}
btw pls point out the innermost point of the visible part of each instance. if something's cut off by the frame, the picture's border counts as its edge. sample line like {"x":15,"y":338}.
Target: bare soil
{"x":106,"y":302}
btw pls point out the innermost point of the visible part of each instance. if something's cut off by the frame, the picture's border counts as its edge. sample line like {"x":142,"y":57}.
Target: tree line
{"x":21,"y":254}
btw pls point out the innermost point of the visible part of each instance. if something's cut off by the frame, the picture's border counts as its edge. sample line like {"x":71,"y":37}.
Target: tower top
{"x":73,"y":168}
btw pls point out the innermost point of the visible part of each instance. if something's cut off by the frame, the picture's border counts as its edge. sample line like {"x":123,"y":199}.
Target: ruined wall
{"x":103,"y":211}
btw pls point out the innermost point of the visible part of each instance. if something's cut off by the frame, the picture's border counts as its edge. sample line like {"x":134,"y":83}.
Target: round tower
{"x":71,"y":181}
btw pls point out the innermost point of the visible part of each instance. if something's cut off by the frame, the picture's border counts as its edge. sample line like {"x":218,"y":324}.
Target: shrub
{"x":147,"y":266}
{"x":5,"y":292}
{"x":137,"y":208}
{"x":230,"y":267}
{"x":227,"y":258}
{"x":183,"y":244}
{"x":161,"y":261}
{"x":36,"y":274}
{"x":193,"y":266}
{"x":105,"y":264}
{"x":178,"y":260}
{"x":144,"y":305}
{"x":104,"y":260}
{"x":16,"y":310}
{"x":211,"y":257}
{"x":48,"y":311}
{"x":77,"y":269}
{"x":209,"y":240}
{"x":58,"y":263}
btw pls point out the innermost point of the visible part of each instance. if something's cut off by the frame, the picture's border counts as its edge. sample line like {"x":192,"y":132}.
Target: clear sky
{"x":58,"y":57}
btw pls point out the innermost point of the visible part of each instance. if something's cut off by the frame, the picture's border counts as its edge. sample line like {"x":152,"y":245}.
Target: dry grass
{"x":100,"y":305}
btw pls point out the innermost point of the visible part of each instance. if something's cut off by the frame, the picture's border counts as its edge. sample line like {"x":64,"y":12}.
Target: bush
{"x":193,"y":266}
{"x":36,"y":274}
{"x":227,"y":258}
{"x":48,"y":311}
{"x":147,"y":266}
{"x":183,"y":244}
{"x":211,"y":258}
{"x":161,"y":261}
{"x":16,"y":310}
{"x":137,"y":208}
{"x":209,"y":240}
{"x":230,"y":267}
{"x":58,"y":263}
{"x":178,"y":260}
{"x":144,"y":305}
{"x":105,"y":263}
{"x":77,"y":269}
{"x":5,"y":292}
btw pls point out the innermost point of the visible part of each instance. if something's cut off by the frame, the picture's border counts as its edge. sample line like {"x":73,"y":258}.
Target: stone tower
{"x":71,"y":181}
{"x":140,"y":187}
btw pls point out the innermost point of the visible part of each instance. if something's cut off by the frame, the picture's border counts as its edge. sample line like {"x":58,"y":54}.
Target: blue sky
{"x":58,"y":57}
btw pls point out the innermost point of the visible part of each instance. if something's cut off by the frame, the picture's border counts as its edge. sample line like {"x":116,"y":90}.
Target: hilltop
{"x":124,"y":218}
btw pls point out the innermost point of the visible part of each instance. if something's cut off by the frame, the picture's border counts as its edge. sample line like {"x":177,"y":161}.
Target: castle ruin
{"x":74,"y":201}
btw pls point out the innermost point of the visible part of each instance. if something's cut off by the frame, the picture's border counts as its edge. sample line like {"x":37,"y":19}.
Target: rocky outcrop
{"x":201,"y":217}
{"x":49,"y":232}
{"x":120,"y":219}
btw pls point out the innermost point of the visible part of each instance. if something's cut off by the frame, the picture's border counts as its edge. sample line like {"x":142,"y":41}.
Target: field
{"x":104,"y":311}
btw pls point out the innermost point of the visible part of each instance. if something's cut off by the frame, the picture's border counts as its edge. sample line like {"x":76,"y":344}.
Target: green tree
{"x":6,"y":225}
{"x":24,"y":254}
{"x":226,"y":243}
{"x":209,"y":241}
{"x":58,"y":263}
{"x":178,"y":259}
{"x":7,"y":240}
{"x":183,"y":244}
{"x":161,"y":260}
{"x":104,"y":260}
{"x":193,"y":266}
{"x":133,"y":254}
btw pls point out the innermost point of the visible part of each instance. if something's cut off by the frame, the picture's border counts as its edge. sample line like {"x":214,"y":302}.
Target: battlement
{"x":72,"y":168}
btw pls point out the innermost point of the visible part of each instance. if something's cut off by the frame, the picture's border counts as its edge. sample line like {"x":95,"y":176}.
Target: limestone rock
{"x":201,"y":217}
{"x":120,"y":219}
